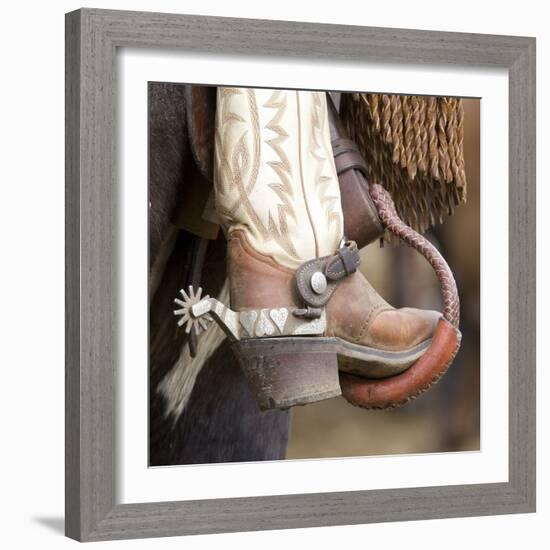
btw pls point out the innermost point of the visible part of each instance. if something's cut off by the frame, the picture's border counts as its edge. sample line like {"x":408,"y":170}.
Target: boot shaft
{"x":274,"y":173}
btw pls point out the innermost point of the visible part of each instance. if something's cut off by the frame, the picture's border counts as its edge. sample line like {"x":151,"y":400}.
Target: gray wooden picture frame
{"x":92,"y":38}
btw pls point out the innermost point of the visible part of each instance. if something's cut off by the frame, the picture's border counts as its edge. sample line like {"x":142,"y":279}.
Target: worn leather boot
{"x":299,"y":310}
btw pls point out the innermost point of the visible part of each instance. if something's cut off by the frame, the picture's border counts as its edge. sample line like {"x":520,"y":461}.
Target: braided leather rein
{"x":393,"y":223}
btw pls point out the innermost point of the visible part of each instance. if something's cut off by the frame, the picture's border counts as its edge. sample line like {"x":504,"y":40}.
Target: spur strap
{"x":316,"y":279}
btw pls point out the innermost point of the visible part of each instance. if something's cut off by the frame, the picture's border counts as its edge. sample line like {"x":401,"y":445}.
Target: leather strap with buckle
{"x":316,"y":280}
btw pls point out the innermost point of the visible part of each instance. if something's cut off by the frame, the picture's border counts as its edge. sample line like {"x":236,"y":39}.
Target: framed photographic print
{"x":300,"y":275}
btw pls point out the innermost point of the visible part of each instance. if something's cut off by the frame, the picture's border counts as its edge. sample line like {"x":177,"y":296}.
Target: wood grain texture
{"x":92,"y":37}
{"x":522,"y":274}
{"x":72,"y":277}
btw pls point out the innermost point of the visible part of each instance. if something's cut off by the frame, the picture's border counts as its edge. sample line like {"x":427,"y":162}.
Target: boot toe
{"x":402,"y":329}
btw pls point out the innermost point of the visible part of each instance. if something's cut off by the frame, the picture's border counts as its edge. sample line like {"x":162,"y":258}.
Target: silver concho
{"x":318,"y":282}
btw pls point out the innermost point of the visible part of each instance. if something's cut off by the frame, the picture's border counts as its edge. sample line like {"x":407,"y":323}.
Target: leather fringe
{"x":413,"y":146}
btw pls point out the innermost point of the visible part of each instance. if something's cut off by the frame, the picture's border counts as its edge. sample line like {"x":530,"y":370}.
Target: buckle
{"x":316,"y":279}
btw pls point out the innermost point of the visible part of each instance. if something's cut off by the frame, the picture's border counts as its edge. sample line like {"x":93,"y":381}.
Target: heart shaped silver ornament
{"x":279,"y":317}
{"x":264,"y":326}
{"x":247,"y":319}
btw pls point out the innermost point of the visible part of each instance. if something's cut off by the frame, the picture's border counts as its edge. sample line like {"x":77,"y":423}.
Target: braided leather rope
{"x":393,"y":223}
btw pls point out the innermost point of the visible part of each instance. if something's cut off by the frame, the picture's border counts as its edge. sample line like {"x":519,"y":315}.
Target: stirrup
{"x":397,"y":390}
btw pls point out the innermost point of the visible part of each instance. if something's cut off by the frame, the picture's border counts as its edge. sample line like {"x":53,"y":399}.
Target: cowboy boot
{"x":299,"y":309}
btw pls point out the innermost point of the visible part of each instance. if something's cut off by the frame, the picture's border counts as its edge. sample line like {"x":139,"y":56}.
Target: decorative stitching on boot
{"x":370,"y":318}
{"x":321,"y":151}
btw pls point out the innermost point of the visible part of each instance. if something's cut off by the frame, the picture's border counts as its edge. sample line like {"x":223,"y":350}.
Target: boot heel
{"x":285,"y":372}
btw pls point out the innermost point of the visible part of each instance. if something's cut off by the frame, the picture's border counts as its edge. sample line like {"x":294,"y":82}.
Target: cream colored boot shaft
{"x":274,"y":173}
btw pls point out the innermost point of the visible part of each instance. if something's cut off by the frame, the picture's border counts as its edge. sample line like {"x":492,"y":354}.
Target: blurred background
{"x":446,"y":418}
